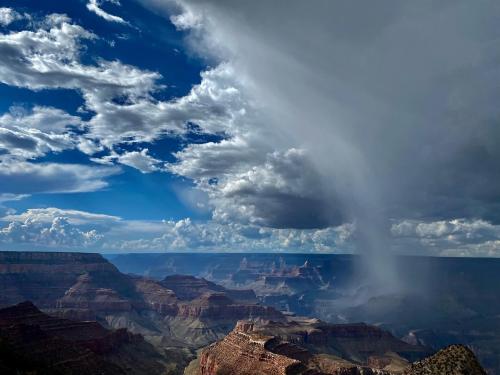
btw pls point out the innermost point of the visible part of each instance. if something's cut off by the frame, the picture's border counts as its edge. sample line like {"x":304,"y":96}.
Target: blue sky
{"x":131,"y":194}
{"x":178,"y":125}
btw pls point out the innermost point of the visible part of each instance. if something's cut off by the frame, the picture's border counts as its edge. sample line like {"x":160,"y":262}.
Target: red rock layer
{"x":245,"y":354}
{"x":295,"y":347}
{"x":218,"y":306}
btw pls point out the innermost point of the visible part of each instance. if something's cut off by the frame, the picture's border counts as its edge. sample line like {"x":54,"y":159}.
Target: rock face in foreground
{"x":244,"y":352}
{"x":32,"y":342}
{"x":313,"y":348}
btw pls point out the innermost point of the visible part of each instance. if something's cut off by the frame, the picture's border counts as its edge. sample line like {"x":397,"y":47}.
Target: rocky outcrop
{"x":284,"y":349}
{"x":306,"y":347}
{"x":242,"y":352}
{"x":35,"y":343}
{"x":453,"y":360}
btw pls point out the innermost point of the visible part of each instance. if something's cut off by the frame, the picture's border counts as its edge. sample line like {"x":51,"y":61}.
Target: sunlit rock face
{"x":311,"y":347}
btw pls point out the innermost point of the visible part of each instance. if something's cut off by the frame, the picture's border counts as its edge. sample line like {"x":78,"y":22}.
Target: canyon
{"x":438,"y":301}
{"x":87,"y":287}
{"x":177,"y":323}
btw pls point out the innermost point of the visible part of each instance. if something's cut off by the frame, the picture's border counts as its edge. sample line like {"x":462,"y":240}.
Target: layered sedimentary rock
{"x":32,"y":342}
{"x":312,"y":348}
{"x":242,"y":352}
{"x":43,"y":277}
{"x":220,"y":306}
{"x":441,"y":301}
{"x":179,"y":310}
{"x":306,"y":347}
{"x":189,"y":287}
{"x":86,"y":294}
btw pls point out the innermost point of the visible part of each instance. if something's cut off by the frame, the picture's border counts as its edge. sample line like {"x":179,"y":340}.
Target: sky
{"x":217,"y":125}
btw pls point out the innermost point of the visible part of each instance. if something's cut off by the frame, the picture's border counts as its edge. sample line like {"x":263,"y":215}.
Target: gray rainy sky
{"x":394,"y":100}
{"x":395,"y":103}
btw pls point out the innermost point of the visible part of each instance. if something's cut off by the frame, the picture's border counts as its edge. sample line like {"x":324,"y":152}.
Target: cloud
{"x":186,"y":235}
{"x":59,"y":232}
{"x":215,"y":105}
{"x":28,"y":144}
{"x":49,"y":57}
{"x":8,"y":197}
{"x":118,"y":95}
{"x":31,"y":178}
{"x":76,"y":229}
{"x":47,"y":119}
{"x":94,"y":6}
{"x":326,"y":119}
{"x":31,"y":134}
{"x":457,"y":237}
{"x":46,"y":228}
{"x":140,"y":160}
{"x":9,"y":15}
{"x":74,"y":217}
{"x":73,"y":229}
{"x":216,"y":159}
{"x":186,"y":20}
{"x":395,"y":119}
{"x":283,"y":192}
{"x":248,"y":182}
{"x":390,"y":128}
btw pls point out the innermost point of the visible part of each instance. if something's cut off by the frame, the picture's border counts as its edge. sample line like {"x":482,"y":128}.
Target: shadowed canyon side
{"x":32,"y":342}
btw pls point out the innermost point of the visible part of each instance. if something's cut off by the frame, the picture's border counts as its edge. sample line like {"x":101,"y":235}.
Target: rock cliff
{"x":313,"y":348}
{"x":306,"y":347}
{"x":32,"y":342}
{"x":179,"y":310}
{"x":189,"y":287}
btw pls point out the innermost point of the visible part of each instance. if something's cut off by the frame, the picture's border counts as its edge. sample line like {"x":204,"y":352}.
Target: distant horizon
{"x":270,"y":253}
